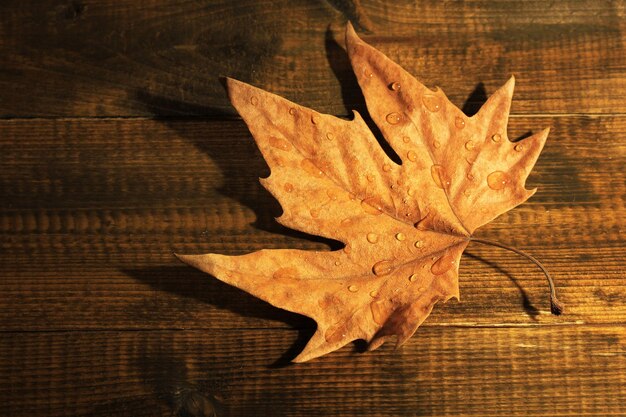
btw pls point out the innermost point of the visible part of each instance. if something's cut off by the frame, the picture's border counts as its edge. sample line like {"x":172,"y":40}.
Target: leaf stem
{"x":556,"y":307}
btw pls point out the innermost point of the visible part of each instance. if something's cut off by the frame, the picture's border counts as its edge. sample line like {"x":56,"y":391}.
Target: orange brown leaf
{"x":404,"y":226}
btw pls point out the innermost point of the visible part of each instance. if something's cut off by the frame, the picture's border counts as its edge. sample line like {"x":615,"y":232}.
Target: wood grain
{"x":94,"y":210}
{"x":557,"y":371}
{"x":105,"y":171}
{"x":165,"y":57}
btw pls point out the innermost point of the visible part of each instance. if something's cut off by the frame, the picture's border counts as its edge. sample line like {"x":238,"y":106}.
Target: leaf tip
{"x":509,"y":86}
{"x":351,"y":37}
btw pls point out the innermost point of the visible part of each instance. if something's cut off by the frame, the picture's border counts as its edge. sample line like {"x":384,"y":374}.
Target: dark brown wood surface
{"x":118,"y":148}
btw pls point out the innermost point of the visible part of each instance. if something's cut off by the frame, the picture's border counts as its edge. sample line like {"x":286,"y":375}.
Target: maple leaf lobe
{"x":404,"y":226}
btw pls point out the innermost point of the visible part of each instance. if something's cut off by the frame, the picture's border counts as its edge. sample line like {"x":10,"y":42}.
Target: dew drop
{"x":353,"y":288}
{"x":421,"y":289}
{"x":406,"y":139}
{"x":337,"y":263}
{"x":412,"y":156}
{"x":286,"y":273}
{"x":310,"y":168}
{"x":467,"y":193}
{"x":382,"y":268}
{"x":459,"y":122}
{"x":336,"y":333}
{"x":497,"y":180}
{"x":400,"y":236}
{"x":436,"y":144}
{"x":332,"y":194}
{"x":443,"y":264}
{"x":470,"y":176}
{"x":413,"y":277}
{"x":367,"y":73}
{"x":288,"y":187}
{"x":379,"y":312}
{"x":439,"y":176}
{"x":431,"y":102}
{"x":395,"y":86}
{"x":372,"y":237}
{"x":254,"y":101}
{"x":330,"y":136}
{"x":393,"y":118}
{"x":372,"y":206}
{"x":315,"y":212}
{"x":279,"y":143}
{"x":410,"y":192}
{"x":469,"y":145}
{"x":519,"y":147}
{"x":347,"y":249}
{"x":369,"y":177}
{"x":386,"y":167}
{"x":496,"y":137}
{"x":418,"y":244}
{"x":373,"y":293}
{"x":293,"y":111}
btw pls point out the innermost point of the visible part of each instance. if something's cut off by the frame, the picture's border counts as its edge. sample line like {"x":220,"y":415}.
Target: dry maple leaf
{"x":404,"y":226}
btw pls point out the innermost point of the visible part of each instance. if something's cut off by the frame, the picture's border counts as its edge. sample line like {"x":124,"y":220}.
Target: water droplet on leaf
{"x":379,"y":312}
{"x":439,"y":176}
{"x":382,"y":268}
{"x":497,"y":180}
{"x":431,"y":102}
{"x":285,"y":273}
{"x":412,"y":156}
{"x":372,"y":237}
{"x":443,"y":264}
{"x":395,"y":86}
{"x":372,"y":206}
{"x":310,"y":167}
{"x":393,"y":118}
{"x":496,"y":137}
{"x":279,"y":143}
{"x":459,"y":122}
{"x":469,"y":145}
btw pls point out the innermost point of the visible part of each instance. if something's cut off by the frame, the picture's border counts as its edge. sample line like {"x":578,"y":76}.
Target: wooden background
{"x":118,"y":147}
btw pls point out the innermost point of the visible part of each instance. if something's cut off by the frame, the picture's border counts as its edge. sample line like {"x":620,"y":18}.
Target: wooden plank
{"x":93,"y":209}
{"x":164,"y":57}
{"x":556,"y":371}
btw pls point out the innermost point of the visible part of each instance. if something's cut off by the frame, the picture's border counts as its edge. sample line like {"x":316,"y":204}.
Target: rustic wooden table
{"x":118,"y":147}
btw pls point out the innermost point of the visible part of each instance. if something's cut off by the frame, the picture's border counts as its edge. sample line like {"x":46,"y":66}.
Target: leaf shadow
{"x":475,"y":100}
{"x":191,"y":284}
{"x":222,"y":150}
{"x":530,"y":309}
{"x":351,"y":93}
